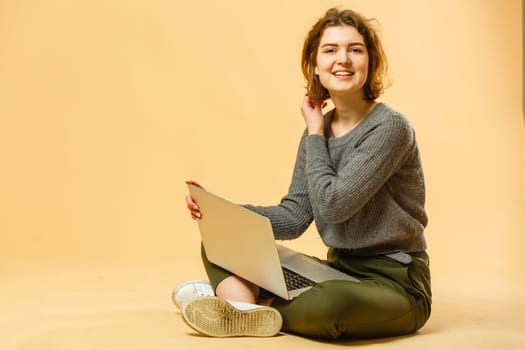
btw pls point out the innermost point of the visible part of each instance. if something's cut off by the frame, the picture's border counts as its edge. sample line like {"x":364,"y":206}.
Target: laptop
{"x":242,"y":242}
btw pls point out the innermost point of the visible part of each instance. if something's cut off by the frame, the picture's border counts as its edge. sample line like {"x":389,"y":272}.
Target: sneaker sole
{"x":216,"y":317}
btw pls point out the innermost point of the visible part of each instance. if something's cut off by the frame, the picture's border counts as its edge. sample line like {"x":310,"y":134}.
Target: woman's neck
{"x":349,"y":112}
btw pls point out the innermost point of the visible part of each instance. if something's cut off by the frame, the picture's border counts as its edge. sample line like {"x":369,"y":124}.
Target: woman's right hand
{"x":191,"y":204}
{"x":312,"y":112}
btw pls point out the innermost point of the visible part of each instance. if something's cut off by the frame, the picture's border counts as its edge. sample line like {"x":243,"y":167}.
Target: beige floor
{"x":74,"y":306}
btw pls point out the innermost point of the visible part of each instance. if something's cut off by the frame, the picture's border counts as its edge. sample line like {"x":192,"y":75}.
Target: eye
{"x":357,"y":49}
{"x":328,"y":49}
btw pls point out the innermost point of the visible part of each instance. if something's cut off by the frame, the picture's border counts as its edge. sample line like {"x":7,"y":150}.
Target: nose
{"x":343,"y":57}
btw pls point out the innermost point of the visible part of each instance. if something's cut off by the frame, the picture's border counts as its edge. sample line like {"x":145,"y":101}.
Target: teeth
{"x":343,"y":73}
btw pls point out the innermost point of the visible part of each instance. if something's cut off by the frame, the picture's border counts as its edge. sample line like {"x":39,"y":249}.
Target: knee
{"x":335,"y":309}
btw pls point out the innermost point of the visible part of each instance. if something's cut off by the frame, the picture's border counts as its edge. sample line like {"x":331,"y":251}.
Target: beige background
{"x":106,"y":107}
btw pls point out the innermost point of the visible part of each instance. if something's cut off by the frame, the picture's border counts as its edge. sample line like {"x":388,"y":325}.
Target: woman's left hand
{"x":313,"y":115}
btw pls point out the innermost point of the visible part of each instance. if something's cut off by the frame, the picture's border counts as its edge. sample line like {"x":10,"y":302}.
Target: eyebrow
{"x":357,"y":43}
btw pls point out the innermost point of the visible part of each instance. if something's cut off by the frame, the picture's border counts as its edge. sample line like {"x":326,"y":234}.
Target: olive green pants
{"x":391,"y":299}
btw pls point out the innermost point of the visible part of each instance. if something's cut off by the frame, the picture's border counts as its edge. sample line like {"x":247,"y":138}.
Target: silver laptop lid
{"x":239,"y":240}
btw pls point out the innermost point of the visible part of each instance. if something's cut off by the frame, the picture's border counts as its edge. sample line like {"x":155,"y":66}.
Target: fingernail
{"x":196,"y":207}
{"x":198,"y":215}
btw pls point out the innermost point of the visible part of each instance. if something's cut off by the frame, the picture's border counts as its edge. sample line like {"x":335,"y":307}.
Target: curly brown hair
{"x":377,"y":65}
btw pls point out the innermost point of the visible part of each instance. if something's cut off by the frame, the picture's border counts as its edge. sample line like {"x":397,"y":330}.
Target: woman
{"x":358,"y":175}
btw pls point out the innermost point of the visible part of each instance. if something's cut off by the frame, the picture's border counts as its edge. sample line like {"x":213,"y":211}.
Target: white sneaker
{"x":217,"y":317}
{"x":191,"y":289}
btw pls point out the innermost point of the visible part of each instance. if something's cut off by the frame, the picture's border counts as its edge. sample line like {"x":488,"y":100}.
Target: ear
{"x":316,"y":70}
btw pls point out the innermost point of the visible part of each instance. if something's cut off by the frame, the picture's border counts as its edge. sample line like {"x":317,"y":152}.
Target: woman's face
{"x":342,"y":60}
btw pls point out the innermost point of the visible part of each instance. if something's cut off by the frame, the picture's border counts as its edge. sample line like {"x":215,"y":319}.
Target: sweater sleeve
{"x":292,"y":216}
{"x":339,"y":194}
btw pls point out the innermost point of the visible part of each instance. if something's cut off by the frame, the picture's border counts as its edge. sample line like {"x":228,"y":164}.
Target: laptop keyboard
{"x":295,"y":281}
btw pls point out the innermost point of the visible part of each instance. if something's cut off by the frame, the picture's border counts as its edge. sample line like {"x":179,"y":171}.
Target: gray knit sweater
{"x":365,"y":190}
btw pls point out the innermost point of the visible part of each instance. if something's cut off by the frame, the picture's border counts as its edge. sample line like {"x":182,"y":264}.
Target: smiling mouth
{"x":343,"y":73}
